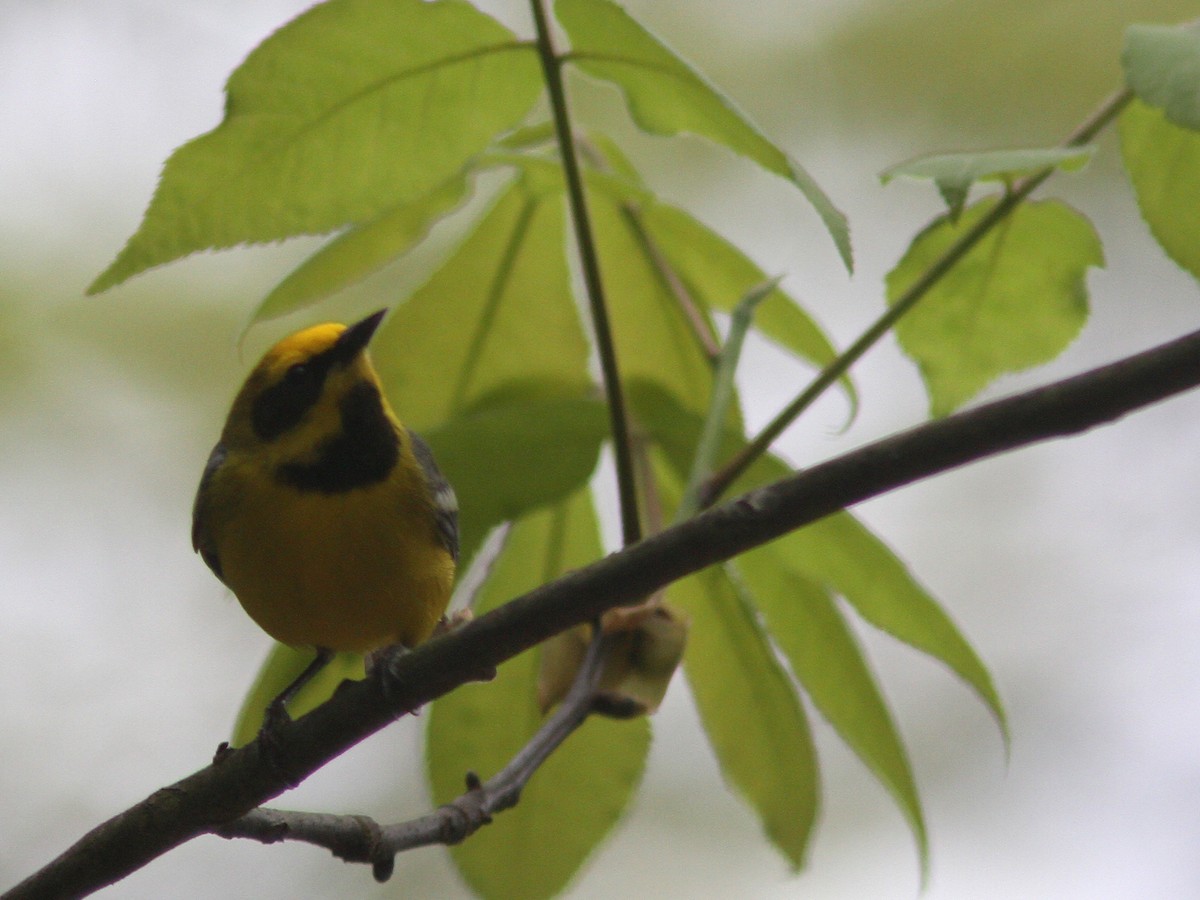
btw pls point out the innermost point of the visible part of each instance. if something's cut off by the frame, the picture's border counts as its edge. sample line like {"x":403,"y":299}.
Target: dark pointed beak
{"x":355,"y":338}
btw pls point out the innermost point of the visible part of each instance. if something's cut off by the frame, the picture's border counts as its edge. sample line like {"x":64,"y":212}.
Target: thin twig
{"x":701,"y":330}
{"x":590,"y":264}
{"x":249,"y":776}
{"x":361,"y":839}
{"x":1008,"y":202}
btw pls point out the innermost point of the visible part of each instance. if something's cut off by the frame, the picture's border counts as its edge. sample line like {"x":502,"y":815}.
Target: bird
{"x":326,"y":517}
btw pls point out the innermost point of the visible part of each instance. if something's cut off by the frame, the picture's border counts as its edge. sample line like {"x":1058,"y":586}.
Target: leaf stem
{"x":631,"y":530}
{"x":1009,"y":201}
{"x":722,"y":395}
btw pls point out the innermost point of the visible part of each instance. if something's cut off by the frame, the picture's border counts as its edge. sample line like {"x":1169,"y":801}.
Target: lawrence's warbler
{"x":326,"y":517}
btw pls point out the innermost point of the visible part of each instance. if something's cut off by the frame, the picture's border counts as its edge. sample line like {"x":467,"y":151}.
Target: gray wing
{"x":445,"y":503}
{"x":202,"y":541}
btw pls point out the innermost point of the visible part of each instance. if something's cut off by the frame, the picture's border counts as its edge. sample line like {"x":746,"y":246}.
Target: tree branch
{"x":243,"y":779}
{"x":720,"y":480}
{"x":362,"y":839}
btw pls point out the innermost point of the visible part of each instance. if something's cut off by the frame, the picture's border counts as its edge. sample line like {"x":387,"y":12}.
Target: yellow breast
{"x":333,"y":570}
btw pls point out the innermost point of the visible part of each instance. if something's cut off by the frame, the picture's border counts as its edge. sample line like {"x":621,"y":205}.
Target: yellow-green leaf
{"x":809,"y":628}
{"x":350,"y":109}
{"x":359,"y":251}
{"x":840,"y":554}
{"x":657,"y":341}
{"x":1016,"y":300}
{"x":499,"y":313}
{"x":1162,"y":64}
{"x":750,"y":710}
{"x":666,"y":96}
{"x":1163,"y":161}
{"x":717,"y":275}
{"x":573,"y":801}
{"x":515,"y":455}
{"x":954,"y":173}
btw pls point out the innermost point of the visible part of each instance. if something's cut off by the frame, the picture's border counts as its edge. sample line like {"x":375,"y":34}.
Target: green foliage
{"x":718,"y":276}
{"x":1159,"y":143}
{"x":515,"y":434}
{"x":843,"y":556}
{"x":791,"y":584}
{"x":823,"y":654}
{"x":359,"y":251}
{"x":349,"y":110}
{"x":954,"y":173}
{"x":375,"y":119}
{"x":1163,"y":161}
{"x":750,"y":710}
{"x":1016,"y":300}
{"x":1162,"y":64}
{"x":579,"y":794}
{"x":665,"y":96}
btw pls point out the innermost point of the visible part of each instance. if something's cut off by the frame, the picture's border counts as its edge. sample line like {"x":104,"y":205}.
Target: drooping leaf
{"x":573,"y":801}
{"x":666,"y":96}
{"x":954,"y":173}
{"x":1162,"y":64}
{"x":522,"y":452}
{"x":808,"y":627}
{"x":1163,"y":161}
{"x":842,"y":555}
{"x":358,"y":252}
{"x":837,"y":553}
{"x":352,"y":108}
{"x":749,"y":710}
{"x":498,"y":313}
{"x":1017,"y":299}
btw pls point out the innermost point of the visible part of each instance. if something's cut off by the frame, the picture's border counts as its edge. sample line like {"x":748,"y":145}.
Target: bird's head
{"x":294,"y":398}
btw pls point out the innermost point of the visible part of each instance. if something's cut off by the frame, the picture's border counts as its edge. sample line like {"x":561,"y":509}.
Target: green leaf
{"x":806,"y":623}
{"x":352,"y":108}
{"x":281,"y":667}
{"x":1017,"y":299}
{"x":838,"y":553}
{"x":666,"y":96}
{"x":573,"y":801}
{"x":498,"y":313}
{"x":657,"y":341}
{"x":790,"y":582}
{"x":749,"y":710}
{"x":1163,"y":161}
{"x":529,"y":136}
{"x":954,"y":173}
{"x":359,"y":251}
{"x":717,"y":275}
{"x":841,"y":555}
{"x":636,"y":237}
{"x":497,"y":457}
{"x":1162,"y":65}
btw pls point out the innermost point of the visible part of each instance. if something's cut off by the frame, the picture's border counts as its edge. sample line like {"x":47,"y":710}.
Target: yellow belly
{"x":350,"y":571}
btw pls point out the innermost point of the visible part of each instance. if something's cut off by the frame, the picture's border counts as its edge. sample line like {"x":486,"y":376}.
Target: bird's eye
{"x":297,"y":373}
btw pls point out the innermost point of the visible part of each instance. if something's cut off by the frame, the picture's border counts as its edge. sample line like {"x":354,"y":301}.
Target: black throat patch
{"x":362,"y":453}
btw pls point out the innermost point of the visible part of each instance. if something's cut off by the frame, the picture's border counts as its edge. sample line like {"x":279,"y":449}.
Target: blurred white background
{"x":1071,"y":566}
